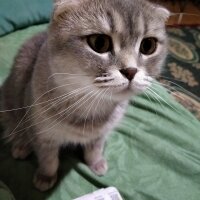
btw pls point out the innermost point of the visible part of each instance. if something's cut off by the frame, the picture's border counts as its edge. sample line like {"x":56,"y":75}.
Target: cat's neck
{"x":84,"y":109}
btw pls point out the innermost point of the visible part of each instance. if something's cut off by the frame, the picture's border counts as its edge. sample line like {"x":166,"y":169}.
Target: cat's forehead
{"x":132,"y":16}
{"x":127,"y":18}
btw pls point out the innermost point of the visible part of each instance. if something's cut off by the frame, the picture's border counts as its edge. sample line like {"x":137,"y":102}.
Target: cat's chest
{"x":76,"y":129}
{"x":65,"y":133}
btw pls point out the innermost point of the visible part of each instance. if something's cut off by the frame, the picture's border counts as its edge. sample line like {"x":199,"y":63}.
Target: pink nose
{"x":129,"y":73}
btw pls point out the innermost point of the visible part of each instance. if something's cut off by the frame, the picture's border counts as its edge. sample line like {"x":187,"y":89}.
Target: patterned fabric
{"x":182,"y":72}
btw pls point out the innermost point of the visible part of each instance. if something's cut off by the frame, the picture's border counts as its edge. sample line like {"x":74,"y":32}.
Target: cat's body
{"x":90,"y":55}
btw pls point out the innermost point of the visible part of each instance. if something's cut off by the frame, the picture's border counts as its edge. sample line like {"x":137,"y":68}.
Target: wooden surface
{"x":189,"y":15}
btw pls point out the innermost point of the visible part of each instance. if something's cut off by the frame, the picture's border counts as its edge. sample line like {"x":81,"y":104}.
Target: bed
{"x":154,"y":153}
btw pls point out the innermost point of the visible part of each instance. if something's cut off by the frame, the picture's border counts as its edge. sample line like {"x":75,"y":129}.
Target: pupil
{"x":147,"y":45}
{"x":100,"y":42}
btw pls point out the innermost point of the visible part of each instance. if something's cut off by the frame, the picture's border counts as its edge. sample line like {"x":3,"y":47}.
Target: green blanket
{"x":154,"y":154}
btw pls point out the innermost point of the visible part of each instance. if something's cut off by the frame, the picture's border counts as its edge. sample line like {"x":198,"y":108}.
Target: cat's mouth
{"x":126,"y":87}
{"x":111,"y":84}
{"x":103,"y":79}
{"x":122,"y":86}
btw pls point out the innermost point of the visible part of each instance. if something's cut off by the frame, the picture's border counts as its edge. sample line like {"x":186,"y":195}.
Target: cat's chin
{"x":127,"y":93}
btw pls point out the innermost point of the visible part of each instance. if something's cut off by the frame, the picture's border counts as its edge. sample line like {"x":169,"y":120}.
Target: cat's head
{"x":114,"y":44}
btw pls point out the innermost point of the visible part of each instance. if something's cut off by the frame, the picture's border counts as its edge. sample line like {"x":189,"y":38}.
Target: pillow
{"x":17,"y":14}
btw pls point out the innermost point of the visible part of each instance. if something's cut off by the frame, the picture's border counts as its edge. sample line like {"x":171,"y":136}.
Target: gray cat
{"x":71,"y":84}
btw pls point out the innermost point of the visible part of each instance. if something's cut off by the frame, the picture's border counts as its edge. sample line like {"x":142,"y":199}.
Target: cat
{"x":72,"y":83}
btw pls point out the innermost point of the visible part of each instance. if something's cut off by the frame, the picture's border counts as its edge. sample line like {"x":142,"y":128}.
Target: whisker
{"x":89,"y":108}
{"x":155,"y":97}
{"x":73,"y":105}
{"x":168,"y":78}
{"x":34,"y":104}
{"x":75,"y":75}
{"x":15,"y":132}
{"x":154,"y":92}
{"x":171,"y":90}
{"x":175,"y":94}
{"x":150,"y":99}
{"x":111,"y":95}
{"x":99,"y":94}
{"x":101,"y":97}
{"x":57,"y":102}
{"x":181,"y":89}
{"x":64,"y":111}
{"x":172,"y":107}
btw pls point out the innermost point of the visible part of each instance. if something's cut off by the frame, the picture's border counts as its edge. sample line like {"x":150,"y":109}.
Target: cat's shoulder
{"x":25,"y":60}
{"x":33,"y":44}
{"x":28,"y":52}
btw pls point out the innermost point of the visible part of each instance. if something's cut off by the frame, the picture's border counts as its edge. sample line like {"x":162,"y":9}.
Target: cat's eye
{"x":148,"y":45}
{"x":100,"y":43}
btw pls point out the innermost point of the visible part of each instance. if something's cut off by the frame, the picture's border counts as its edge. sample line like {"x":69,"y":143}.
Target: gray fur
{"x":41,"y":124}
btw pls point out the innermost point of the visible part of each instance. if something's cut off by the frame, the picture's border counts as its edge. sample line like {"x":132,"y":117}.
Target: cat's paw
{"x":20,"y":152}
{"x":99,"y":168}
{"x":44,"y":182}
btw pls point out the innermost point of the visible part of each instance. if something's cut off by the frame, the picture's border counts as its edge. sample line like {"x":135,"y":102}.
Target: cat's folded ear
{"x":61,"y":6}
{"x":162,"y":12}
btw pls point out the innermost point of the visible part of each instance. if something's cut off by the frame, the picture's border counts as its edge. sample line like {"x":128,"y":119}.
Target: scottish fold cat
{"x":71,"y":84}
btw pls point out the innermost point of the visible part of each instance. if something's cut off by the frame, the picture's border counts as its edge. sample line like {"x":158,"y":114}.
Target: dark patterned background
{"x":182,"y":72}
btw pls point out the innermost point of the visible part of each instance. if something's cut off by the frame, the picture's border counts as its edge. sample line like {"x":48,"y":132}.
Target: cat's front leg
{"x":93,"y":155}
{"x":46,"y":174}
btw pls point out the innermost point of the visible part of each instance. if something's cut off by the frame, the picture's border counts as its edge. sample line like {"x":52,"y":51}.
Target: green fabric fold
{"x":18,"y":14}
{"x":5,"y":193}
